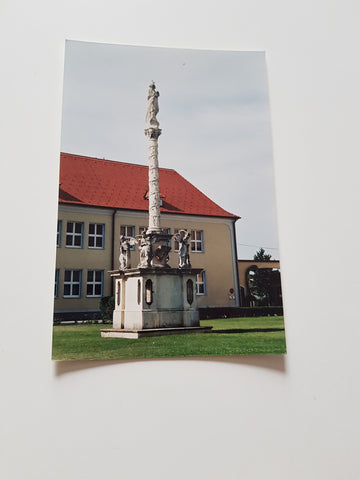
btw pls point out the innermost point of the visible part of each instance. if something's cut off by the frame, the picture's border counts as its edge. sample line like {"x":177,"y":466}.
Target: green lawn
{"x":233,"y":336}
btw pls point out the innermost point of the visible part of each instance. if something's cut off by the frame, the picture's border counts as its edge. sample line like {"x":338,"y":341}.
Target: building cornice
{"x":85,"y":209}
{"x":144,"y":214}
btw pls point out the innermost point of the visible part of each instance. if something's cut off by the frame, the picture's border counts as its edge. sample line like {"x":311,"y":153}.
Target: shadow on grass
{"x":248,"y":330}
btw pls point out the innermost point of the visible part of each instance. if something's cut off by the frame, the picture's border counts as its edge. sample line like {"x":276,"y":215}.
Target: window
{"x":197,"y":244}
{"x":168,"y":231}
{"x":96,"y":235}
{"x":58,"y":235}
{"x":201,"y":283}
{"x":128,"y":231}
{"x":95,"y":283}
{"x":72,"y":283}
{"x":74,"y":234}
{"x":56,"y":292}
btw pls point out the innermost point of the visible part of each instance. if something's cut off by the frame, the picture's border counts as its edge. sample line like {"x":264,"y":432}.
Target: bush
{"x":106,"y":306}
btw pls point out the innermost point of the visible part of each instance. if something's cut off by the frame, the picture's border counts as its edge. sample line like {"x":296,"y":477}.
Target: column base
{"x":151,"y":332}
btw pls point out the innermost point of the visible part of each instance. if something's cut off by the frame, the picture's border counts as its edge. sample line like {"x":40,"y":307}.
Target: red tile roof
{"x":105,"y":183}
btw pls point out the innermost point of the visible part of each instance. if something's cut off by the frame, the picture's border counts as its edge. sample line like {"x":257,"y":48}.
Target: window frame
{"x":95,"y":282}
{"x":96,"y":235}
{"x":59,"y":233}
{"x":123,"y":228}
{"x":72,"y":283}
{"x":74,"y":234}
{"x":167,"y":230}
{"x":56,"y":285}
{"x":201,"y":283}
{"x":194,"y":241}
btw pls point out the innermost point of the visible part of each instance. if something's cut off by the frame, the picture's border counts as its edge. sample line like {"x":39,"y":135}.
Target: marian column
{"x":154,"y":298}
{"x":153,"y":132}
{"x":155,"y":240}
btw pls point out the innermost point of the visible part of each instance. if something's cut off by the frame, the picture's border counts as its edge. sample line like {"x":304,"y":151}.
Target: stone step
{"x":151,"y":332}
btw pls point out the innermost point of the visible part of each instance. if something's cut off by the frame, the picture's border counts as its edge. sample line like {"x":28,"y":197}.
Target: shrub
{"x":106,"y":306}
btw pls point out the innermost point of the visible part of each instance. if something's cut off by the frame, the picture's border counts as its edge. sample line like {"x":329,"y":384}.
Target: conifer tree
{"x":261,"y":256}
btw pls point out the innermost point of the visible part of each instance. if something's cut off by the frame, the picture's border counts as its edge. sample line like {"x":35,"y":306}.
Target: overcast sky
{"x":214,"y":116}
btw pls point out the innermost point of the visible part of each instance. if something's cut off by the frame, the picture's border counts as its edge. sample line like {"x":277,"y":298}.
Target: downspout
{"x":113,"y":248}
{"x":235,"y":263}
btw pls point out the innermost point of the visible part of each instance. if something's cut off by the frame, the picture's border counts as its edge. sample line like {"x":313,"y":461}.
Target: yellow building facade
{"x":94,"y":210}
{"x":88,"y":248}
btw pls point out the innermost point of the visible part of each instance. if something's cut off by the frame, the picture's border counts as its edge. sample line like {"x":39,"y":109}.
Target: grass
{"x":234,"y":336}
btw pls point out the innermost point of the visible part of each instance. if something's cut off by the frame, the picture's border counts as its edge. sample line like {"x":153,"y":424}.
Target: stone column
{"x":158,"y":240}
{"x":154,"y":189}
{"x":153,"y":132}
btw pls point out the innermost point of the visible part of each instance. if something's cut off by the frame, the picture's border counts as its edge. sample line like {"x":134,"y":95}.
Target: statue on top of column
{"x":153,"y":107}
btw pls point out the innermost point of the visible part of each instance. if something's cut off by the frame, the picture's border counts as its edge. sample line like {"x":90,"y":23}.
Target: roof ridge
{"x":112,"y":161}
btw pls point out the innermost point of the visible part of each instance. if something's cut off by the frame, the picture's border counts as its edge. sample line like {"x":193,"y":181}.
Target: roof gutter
{"x":113,"y":247}
{"x":235,"y":263}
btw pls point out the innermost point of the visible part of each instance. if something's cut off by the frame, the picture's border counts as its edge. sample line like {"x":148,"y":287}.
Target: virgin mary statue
{"x":153,"y":107}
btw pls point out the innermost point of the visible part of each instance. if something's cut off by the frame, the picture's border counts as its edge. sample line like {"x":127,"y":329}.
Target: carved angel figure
{"x":125,"y":246}
{"x":184,"y":257}
{"x":145,"y":250}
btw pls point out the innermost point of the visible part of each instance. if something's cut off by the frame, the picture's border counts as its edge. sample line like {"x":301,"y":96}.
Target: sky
{"x":213,"y":112}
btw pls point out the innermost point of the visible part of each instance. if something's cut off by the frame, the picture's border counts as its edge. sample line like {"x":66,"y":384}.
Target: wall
{"x":293,"y":417}
{"x":216,"y":258}
{"x":83,"y":258}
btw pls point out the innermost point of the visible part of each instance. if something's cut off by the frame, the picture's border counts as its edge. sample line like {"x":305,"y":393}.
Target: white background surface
{"x":234,"y":418}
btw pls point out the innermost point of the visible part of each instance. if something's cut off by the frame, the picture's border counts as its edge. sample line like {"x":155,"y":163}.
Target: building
{"x":100,"y":199}
{"x":247,"y":268}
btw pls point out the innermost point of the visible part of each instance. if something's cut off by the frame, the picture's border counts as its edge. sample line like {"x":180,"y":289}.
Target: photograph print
{"x":167,"y":239}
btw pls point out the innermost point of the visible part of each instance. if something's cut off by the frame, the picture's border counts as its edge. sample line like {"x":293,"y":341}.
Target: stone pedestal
{"x":154,"y":301}
{"x":159,"y":248}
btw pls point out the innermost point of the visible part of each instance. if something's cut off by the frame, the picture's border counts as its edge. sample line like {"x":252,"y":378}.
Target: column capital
{"x":153,"y":133}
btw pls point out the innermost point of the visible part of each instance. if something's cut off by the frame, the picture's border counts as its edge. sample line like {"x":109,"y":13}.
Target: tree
{"x":260,"y":285}
{"x":261,"y":256}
